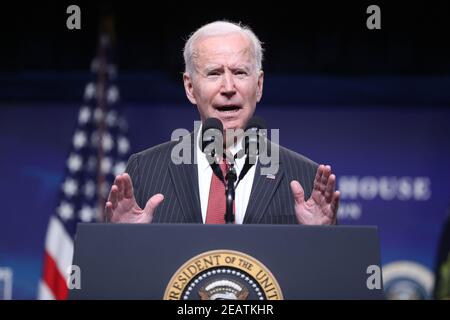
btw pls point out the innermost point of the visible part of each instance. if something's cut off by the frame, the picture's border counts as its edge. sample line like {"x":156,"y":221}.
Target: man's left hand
{"x":321,"y":208}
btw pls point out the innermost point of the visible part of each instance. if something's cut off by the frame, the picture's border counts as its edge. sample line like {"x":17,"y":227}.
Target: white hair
{"x":219,"y":28}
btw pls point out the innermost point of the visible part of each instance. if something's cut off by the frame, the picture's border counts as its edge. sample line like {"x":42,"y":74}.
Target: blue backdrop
{"x":387,"y":141}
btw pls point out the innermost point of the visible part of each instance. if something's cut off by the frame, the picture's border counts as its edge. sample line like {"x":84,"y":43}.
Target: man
{"x":224,"y":79}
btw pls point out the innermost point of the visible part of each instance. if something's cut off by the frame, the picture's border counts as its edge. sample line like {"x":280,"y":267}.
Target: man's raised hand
{"x":122,"y":207}
{"x":321,"y":208}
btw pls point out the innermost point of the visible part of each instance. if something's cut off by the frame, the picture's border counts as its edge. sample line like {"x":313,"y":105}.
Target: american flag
{"x":98,"y":153}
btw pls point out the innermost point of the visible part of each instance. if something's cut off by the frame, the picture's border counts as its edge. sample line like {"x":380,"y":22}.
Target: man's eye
{"x":213,"y":73}
{"x":241,"y":73}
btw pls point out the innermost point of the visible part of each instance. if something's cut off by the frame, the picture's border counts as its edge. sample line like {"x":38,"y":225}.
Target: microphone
{"x":211,"y":143}
{"x":254,"y":143}
{"x":212,"y":128}
{"x":212,"y":146}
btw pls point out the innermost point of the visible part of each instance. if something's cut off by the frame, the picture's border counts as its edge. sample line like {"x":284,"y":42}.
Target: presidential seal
{"x":223,"y":275}
{"x":407,"y":280}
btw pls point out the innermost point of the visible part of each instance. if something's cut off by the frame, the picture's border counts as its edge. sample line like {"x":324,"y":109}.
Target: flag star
{"x":89,"y":91}
{"x":70,"y":187}
{"x":107,"y":142}
{"x":123,"y":145}
{"x":65,"y":210}
{"x":89,"y":189}
{"x":98,"y":114}
{"x":106,"y":165}
{"x":119,"y":168}
{"x":79,"y":139}
{"x":87,"y":213}
{"x":74,"y":162}
{"x":113,"y":94}
{"x":111,"y":118}
{"x":84,"y":115}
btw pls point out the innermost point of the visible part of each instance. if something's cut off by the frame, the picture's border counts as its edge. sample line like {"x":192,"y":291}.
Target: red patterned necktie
{"x":215,"y":214}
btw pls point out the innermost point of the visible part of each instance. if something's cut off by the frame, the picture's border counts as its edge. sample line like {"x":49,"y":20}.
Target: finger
{"x":117,"y":179}
{"x":318,"y":178}
{"x":325,"y":176}
{"x":335,"y":202}
{"x":297,"y":192}
{"x":113,"y":196}
{"x":128,"y":186}
{"x":108,"y":211}
{"x":117,"y":184}
{"x":330,"y":188}
{"x":120,"y":187}
{"x":153,"y":203}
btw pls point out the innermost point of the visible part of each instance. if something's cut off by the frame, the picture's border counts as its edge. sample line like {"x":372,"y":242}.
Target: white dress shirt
{"x":243,"y":190}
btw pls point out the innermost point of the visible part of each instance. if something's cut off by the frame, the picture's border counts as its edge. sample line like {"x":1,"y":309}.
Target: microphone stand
{"x":230,"y":194}
{"x":230,"y":185}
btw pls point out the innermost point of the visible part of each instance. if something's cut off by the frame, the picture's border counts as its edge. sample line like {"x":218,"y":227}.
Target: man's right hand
{"x":122,"y":207}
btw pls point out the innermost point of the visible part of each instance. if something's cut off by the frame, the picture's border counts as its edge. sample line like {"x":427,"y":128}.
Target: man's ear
{"x":259,"y":91}
{"x":189,"y":88}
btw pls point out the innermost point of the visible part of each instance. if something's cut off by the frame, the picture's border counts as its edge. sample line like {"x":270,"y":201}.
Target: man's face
{"x":226,"y":83}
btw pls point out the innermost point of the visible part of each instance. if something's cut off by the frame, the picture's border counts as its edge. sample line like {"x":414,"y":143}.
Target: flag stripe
{"x":54,"y":279}
{"x":44,"y":291}
{"x":59,"y":245}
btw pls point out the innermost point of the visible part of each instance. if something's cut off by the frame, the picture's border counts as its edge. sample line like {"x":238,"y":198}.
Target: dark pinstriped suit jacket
{"x":271,"y":200}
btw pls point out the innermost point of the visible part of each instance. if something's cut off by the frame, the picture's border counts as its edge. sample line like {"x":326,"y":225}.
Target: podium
{"x":227,"y":262}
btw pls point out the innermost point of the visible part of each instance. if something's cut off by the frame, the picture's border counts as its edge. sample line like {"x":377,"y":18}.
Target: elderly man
{"x":224,"y":79}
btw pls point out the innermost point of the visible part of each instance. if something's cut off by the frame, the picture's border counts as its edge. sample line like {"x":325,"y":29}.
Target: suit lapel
{"x":263,"y":189}
{"x":185,"y":181}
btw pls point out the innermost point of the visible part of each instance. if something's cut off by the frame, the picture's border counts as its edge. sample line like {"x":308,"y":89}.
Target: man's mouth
{"x":229,"y":109}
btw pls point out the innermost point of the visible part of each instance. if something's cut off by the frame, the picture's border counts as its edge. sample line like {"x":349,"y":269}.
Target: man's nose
{"x":228,"y":88}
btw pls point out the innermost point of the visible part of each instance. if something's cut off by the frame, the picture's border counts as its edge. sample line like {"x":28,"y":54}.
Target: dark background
{"x":300,"y":37}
